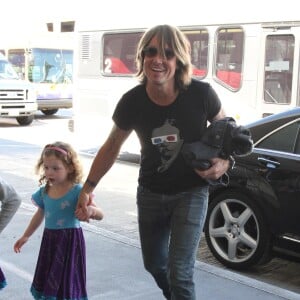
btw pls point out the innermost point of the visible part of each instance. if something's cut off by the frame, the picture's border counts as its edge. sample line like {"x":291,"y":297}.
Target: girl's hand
{"x":81,"y":215}
{"x":93,"y":212}
{"x":91,"y":209}
{"x":19,"y":243}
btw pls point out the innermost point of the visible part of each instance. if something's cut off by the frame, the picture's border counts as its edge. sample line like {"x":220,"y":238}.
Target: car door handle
{"x":269,"y":163}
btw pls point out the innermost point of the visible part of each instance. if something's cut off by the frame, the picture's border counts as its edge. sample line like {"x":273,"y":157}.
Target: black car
{"x":257,"y":215}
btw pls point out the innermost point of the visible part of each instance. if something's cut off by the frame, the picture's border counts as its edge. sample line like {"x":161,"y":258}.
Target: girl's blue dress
{"x":60,"y":272}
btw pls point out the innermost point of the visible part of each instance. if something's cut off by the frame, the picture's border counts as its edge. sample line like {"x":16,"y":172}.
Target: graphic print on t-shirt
{"x":167,"y":139}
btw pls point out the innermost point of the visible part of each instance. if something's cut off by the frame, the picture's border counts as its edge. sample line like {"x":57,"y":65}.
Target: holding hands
{"x":86,"y":208}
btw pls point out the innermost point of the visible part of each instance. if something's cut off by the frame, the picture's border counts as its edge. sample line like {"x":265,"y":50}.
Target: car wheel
{"x":236,"y":232}
{"x":27,"y":120}
{"x":49,"y":112}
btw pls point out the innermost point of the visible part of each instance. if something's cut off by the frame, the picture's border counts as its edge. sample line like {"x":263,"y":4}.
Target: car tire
{"x":236,"y":231}
{"x":26,"y":120}
{"x":49,"y":112}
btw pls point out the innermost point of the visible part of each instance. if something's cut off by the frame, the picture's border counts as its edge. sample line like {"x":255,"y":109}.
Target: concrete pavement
{"x":115,"y":270}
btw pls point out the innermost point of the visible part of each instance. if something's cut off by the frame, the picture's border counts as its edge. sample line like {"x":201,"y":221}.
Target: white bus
{"x":253,"y":64}
{"x":46,"y":60}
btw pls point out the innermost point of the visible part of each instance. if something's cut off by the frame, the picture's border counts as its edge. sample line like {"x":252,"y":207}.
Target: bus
{"x":46,"y":60}
{"x":251,"y":60}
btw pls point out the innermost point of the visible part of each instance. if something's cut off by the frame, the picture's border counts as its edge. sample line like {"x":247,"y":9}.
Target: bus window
{"x":45,"y":65}
{"x":6,"y":70}
{"x":199,"y":51}
{"x":17,"y":58}
{"x":50,"y":65}
{"x":229,"y":56}
{"x":279,"y":63}
{"x":119,"y":52}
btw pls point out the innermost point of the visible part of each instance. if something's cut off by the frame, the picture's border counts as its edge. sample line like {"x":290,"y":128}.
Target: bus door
{"x":281,"y":69}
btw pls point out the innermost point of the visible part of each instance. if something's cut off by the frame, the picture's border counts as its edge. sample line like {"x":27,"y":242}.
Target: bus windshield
{"x":50,"y":66}
{"x":44,"y":65}
{"x":7,"y":71}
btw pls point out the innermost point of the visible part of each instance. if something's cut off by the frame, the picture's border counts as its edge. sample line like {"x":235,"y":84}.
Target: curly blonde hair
{"x":67,"y":155}
{"x":172,"y":37}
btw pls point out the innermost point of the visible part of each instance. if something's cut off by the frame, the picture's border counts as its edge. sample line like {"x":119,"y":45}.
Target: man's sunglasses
{"x":151,"y":52}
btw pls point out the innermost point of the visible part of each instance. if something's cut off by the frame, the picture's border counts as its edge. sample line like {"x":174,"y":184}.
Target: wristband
{"x":91,"y":183}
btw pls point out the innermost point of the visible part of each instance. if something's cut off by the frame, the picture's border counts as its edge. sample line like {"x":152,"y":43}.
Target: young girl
{"x":61,"y":266}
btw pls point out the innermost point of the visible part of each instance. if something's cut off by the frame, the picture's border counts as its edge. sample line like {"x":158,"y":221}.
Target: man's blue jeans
{"x":170,"y":229}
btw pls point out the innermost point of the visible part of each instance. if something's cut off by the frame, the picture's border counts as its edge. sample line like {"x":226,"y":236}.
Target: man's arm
{"x":220,"y":115}
{"x":105,"y":157}
{"x":103,"y":161}
{"x":219,"y":166}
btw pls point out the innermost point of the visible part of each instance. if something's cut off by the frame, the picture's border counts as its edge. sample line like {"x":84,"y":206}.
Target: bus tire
{"x":49,"y":112}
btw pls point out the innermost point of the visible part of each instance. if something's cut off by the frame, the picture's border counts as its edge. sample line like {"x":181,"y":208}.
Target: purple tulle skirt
{"x":2,"y":280}
{"x":60,"y":272}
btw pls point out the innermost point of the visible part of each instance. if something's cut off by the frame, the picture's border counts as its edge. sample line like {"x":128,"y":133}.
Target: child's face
{"x":55,"y":171}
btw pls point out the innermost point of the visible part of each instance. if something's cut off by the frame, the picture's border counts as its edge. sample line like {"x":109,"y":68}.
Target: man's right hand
{"x":81,"y":211}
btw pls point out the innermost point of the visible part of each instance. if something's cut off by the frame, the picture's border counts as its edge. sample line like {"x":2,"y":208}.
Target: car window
{"x":286,"y":139}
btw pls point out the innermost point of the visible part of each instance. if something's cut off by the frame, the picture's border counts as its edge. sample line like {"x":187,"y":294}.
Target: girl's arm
{"x":35,"y":222}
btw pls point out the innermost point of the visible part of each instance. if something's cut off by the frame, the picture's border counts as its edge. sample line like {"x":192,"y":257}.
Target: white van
{"x":17,"y":96}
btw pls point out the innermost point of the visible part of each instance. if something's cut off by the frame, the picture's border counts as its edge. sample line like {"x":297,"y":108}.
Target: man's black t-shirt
{"x":163,"y":129}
